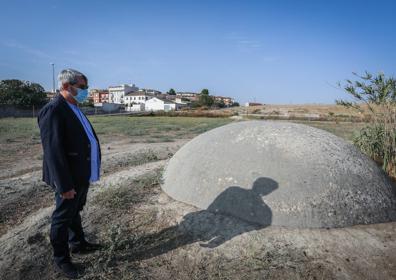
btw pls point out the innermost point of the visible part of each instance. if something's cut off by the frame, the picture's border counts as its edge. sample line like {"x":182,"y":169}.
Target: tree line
{"x":22,"y":93}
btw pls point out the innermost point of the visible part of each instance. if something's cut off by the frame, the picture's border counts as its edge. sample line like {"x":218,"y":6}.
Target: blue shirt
{"x":95,"y":161}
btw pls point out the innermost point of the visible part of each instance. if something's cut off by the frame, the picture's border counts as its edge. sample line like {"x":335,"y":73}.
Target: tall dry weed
{"x":378,"y":139}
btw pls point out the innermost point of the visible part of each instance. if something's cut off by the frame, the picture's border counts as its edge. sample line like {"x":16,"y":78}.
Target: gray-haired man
{"x":71,"y":161}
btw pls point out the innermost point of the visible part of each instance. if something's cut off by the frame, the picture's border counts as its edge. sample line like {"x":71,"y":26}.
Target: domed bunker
{"x":282,"y":174}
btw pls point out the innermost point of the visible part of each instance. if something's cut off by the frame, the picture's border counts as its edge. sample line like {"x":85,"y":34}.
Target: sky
{"x":278,"y":52}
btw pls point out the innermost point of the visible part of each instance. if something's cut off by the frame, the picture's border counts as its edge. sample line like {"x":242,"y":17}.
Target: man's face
{"x":80,"y":84}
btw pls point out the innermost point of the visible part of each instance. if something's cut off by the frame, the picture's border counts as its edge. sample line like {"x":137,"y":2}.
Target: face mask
{"x":81,"y":96}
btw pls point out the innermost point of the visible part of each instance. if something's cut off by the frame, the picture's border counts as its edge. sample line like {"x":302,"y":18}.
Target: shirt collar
{"x":72,"y":105}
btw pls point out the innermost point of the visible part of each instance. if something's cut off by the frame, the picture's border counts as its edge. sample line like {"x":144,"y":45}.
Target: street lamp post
{"x":53,"y":77}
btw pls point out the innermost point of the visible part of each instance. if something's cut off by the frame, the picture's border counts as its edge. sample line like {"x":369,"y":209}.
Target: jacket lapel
{"x":79,"y":124}
{"x":72,"y":116}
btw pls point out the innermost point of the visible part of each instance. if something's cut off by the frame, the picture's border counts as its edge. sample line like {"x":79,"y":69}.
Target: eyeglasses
{"x":81,"y":87}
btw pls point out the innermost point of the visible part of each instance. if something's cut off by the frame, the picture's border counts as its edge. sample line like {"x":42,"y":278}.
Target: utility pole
{"x":53,"y":77}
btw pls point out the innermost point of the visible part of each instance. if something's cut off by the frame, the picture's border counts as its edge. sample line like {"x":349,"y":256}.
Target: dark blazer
{"x":66,"y":146}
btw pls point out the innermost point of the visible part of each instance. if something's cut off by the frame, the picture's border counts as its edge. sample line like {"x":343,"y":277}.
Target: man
{"x":71,"y":161}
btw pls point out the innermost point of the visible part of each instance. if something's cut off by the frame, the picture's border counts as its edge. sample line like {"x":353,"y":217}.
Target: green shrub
{"x":370,"y":140}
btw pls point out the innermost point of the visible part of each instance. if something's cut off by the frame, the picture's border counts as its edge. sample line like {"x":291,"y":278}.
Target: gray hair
{"x":69,"y":76}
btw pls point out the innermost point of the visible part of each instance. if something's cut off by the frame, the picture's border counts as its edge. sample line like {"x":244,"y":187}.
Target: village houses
{"x":131,"y":98}
{"x":117,"y":93}
{"x":228,"y":101}
{"x":135,"y":101}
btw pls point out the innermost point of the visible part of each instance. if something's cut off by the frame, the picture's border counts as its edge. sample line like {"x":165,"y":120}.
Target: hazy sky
{"x":264,"y":51}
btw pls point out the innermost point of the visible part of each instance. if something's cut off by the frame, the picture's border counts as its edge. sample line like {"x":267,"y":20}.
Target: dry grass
{"x":197,"y":113}
{"x":128,"y":194}
{"x":304,"y":112}
{"x":153,"y":128}
{"x":129,"y":160}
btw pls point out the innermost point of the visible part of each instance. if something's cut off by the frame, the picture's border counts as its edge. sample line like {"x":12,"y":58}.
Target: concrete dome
{"x":280,"y":173}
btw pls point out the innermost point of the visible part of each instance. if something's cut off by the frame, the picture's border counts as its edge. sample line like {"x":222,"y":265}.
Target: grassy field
{"x":24,"y":129}
{"x":20,"y":138}
{"x":19,"y":135}
{"x":14,"y":130}
{"x":345,"y":130}
{"x":154,"y":129}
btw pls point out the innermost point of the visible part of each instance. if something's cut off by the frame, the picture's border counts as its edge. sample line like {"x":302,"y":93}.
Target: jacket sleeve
{"x":53,"y":140}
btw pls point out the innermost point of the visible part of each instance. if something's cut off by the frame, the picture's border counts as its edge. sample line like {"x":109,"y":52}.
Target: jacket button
{"x":89,"y":145}
{"x":88,"y":158}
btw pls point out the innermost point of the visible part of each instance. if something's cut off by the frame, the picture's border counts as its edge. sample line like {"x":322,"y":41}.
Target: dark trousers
{"x":66,"y":224}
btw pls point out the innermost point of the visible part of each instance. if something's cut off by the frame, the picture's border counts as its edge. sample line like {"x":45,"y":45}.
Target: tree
{"x":21,"y":93}
{"x":195,"y":104}
{"x":205,"y":99}
{"x":205,"y":91}
{"x":171,"y":92}
{"x":370,"y":90}
{"x":220,"y":104}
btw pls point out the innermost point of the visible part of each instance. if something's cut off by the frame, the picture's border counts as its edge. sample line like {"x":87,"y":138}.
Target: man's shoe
{"x":67,"y":269}
{"x":84,"y":248}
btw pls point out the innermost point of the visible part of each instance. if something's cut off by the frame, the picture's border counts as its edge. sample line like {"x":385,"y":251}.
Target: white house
{"x":117,"y":93}
{"x":158,"y":104}
{"x":135,"y":101}
{"x":136,"y":97}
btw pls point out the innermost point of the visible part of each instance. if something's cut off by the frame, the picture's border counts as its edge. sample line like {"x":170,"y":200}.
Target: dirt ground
{"x":148,"y":235}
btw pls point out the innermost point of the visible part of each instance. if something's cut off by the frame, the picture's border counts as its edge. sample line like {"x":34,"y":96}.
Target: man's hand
{"x":69,"y":195}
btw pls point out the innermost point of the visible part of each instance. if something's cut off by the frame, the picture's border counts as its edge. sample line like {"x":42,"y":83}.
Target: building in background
{"x":150,"y":91}
{"x":135,"y":101}
{"x":228,"y":101}
{"x":192,"y":96}
{"x":51,"y":95}
{"x":159,"y":104}
{"x":135,"y":107}
{"x":249,"y":104}
{"x":182,"y":103}
{"x":130,"y":97}
{"x":99,"y":96}
{"x":117,"y":93}
{"x":136,"y":97}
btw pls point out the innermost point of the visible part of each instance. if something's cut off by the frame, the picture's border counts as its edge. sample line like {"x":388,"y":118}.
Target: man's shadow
{"x":234,"y":211}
